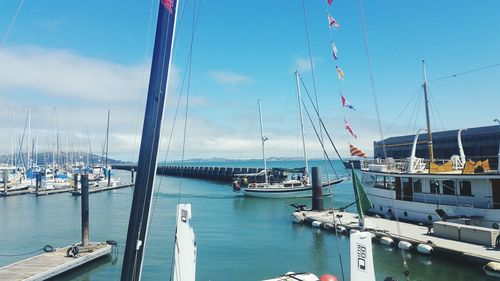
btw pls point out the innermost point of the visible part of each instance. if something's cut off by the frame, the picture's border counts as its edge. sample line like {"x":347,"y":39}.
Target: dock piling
{"x":75,"y":182}
{"x":132,"y":175}
{"x":5,"y":179}
{"x":317,"y":193}
{"x":109,"y":176}
{"x":38,"y":182}
{"x":84,"y":178}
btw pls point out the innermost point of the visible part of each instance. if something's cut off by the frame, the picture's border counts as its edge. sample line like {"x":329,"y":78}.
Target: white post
{"x":306,"y":172}
{"x":263,"y":139}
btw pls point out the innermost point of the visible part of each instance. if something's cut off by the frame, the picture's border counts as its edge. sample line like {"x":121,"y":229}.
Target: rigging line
{"x":418,"y":110}
{"x":12,"y":22}
{"x":317,"y":135}
{"x":312,"y":73}
{"x":363,"y":21}
{"x":466,"y":72}
{"x":324,"y":127}
{"x":404,"y":109}
{"x":434,"y":105}
{"x":370,"y":70}
{"x":415,"y":106}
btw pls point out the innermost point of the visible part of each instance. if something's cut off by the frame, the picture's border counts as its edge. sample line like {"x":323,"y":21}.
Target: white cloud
{"x":303,"y":64}
{"x":230,"y":78}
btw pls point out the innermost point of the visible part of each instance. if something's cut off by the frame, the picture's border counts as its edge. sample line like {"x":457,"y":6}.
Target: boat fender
{"x":328,"y":226}
{"x":297,"y":217}
{"x":316,"y":224}
{"x":327,"y":277}
{"x":373,"y":235}
{"x":425,"y":249}
{"x":341,"y":229}
{"x":308,"y":221}
{"x":404,"y":245}
{"x":353,"y":231}
{"x":492,"y":269}
{"x":72,"y":252}
{"x":386,"y":240}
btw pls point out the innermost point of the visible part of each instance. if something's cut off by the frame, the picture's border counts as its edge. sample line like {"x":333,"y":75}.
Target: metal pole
{"x":85,"y":209}
{"x":263,"y":139}
{"x":5,"y":179}
{"x":429,"y":131}
{"x":498,"y":160}
{"x":109,"y":175}
{"x":306,"y":172}
{"x":132,"y":175}
{"x":38,"y":182}
{"x":75,"y":182}
{"x":317,"y":193}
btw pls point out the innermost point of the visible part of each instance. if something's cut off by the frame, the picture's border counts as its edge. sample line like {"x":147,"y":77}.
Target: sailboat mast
{"x":306,"y":172}
{"x":151,"y":132}
{"x":54,"y":140}
{"x":263,"y":139}
{"x":29,"y":139}
{"x":429,"y":131}
{"x":107,"y":141}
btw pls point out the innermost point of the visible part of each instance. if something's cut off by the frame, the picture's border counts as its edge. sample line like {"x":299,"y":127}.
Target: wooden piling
{"x":85,"y":209}
{"x":317,"y":193}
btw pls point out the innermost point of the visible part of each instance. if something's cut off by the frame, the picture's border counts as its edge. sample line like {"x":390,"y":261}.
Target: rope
{"x":404,"y":109}
{"x":46,"y":249}
{"x":372,"y":81}
{"x":12,"y":22}
{"x":466,"y":72}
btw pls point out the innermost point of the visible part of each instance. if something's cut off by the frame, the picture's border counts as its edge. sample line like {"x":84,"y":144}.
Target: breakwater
{"x":206,"y":172}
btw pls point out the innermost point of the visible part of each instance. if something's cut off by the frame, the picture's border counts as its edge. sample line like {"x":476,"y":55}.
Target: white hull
{"x":282,"y":192}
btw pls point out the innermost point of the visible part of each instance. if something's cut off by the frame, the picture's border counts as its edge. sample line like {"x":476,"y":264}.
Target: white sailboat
{"x":291,"y":188}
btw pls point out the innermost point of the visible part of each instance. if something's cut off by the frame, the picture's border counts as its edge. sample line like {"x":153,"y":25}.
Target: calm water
{"x":238,"y":238}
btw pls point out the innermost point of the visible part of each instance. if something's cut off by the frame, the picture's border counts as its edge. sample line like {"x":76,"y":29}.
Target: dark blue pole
{"x":317,"y":193}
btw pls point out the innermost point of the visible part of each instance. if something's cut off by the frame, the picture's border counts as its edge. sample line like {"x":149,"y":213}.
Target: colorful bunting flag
{"x":349,"y":129}
{"x":332,"y":22}
{"x":340,"y":72}
{"x":357,"y":152}
{"x":334,"y":51}
{"x":169,"y":4}
{"x":345,"y":103}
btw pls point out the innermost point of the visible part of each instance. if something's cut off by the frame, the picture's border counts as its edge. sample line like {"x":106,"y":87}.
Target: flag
{"x":363,"y":203}
{"x":332,"y":22}
{"x":345,"y":103}
{"x":169,"y":4}
{"x":334,"y":49}
{"x":329,"y":2}
{"x":340,"y":72}
{"x":357,"y":152}
{"x":349,"y":129}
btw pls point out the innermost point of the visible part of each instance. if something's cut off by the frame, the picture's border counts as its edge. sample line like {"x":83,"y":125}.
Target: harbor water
{"x":238,"y":238}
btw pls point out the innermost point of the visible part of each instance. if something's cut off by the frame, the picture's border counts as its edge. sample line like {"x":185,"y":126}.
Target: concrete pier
{"x":415,"y":234}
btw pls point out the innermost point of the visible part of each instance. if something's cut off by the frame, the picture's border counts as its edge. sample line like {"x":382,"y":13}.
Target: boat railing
{"x":482,"y":202}
{"x":385,"y":165}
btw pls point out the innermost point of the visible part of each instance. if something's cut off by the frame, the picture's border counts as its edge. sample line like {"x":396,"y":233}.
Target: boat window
{"x":288,"y":185}
{"x":417,"y":185}
{"x":465,"y":188}
{"x":449,"y":187}
{"x":297,"y":184}
{"x":434,"y":184}
{"x":390,"y":182}
{"x":368,"y":180}
{"x":380,"y":182}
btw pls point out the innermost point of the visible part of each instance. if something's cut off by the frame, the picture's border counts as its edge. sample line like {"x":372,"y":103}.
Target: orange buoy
{"x":328,"y":277}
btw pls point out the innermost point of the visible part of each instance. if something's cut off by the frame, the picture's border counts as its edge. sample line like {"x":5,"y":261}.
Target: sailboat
{"x":291,"y":188}
{"x":185,"y":245}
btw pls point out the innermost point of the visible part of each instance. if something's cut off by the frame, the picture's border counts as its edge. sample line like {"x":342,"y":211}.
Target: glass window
{"x":417,"y":185}
{"x":465,"y":188}
{"x":434,"y":186}
{"x":449,"y":187}
{"x":380,"y":181}
{"x":390,"y":182}
{"x":368,"y":180}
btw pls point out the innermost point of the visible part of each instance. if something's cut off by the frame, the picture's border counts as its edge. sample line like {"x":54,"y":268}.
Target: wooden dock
{"x":52,"y":191}
{"x":101,"y":189}
{"x":51,"y":264}
{"x":412,"y":233}
{"x":14,"y":193}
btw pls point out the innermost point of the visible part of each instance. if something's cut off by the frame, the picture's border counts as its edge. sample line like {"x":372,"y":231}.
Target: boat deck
{"x":415,"y":234}
{"x":51,"y":264}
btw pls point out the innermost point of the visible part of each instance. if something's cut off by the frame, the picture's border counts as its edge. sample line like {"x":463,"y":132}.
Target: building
{"x":479,"y":144}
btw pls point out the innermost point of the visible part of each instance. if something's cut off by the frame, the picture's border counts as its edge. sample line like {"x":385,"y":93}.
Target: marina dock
{"x":52,"y":191}
{"x":101,"y":189}
{"x":415,"y":234}
{"x":51,"y":264}
{"x":14,"y":193}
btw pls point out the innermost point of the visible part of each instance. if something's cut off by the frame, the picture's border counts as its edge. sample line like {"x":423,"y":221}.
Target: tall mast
{"x":107,"y":144}
{"x":263,"y":139}
{"x":151,"y":132}
{"x":306,"y":172}
{"x":53,"y":140}
{"x":29,"y":138}
{"x":429,"y":131}
{"x":13,"y":146}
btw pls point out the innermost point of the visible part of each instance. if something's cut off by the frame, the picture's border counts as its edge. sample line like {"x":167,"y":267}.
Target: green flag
{"x":362,"y":201}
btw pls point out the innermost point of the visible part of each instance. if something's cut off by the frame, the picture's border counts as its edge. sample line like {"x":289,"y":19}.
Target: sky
{"x":71,"y":61}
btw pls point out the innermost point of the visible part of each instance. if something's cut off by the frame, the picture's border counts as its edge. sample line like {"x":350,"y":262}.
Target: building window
{"x":449,"y":187}
{"x":417,"y":185}
{"x":465,"y":188}
{"x":434,"y":186}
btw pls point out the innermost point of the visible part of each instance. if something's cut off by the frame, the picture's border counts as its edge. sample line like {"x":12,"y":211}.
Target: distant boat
{"x":291,"y":188}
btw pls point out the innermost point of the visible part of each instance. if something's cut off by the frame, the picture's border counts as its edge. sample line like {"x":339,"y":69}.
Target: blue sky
{"x":84,"y":57}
